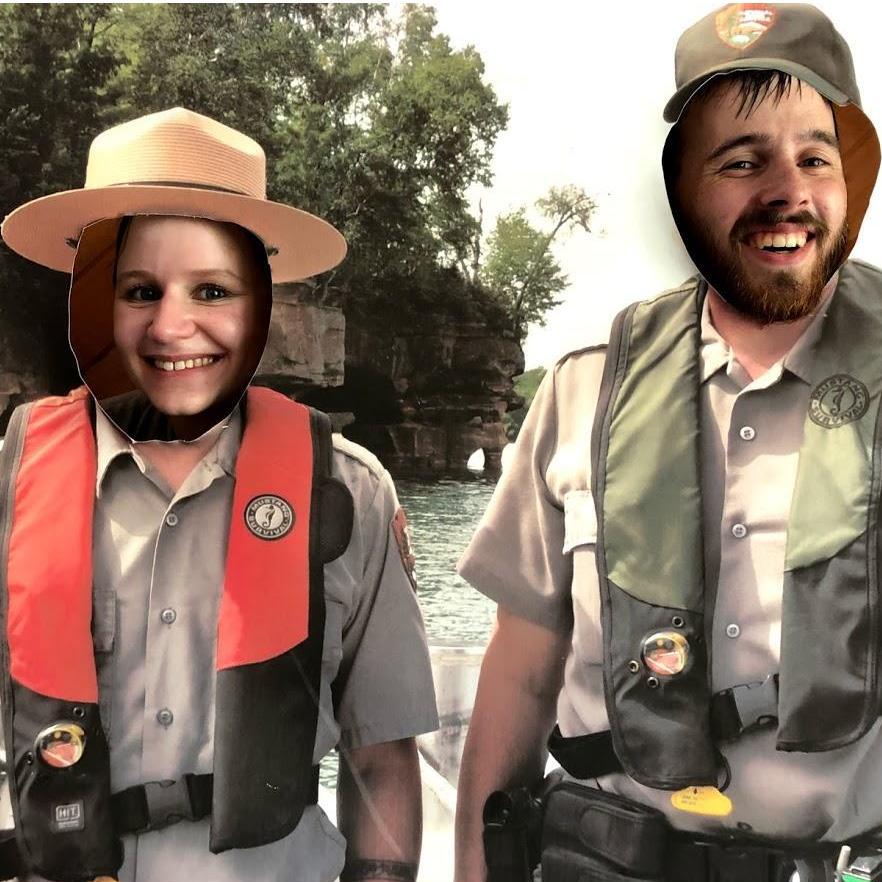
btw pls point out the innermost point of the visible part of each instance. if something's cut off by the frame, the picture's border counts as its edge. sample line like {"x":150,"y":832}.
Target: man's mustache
{"x":767,"y":218}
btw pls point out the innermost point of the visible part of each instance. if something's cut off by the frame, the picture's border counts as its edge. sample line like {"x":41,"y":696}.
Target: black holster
{"x":577,"y":832}
{"x":512,"y":834}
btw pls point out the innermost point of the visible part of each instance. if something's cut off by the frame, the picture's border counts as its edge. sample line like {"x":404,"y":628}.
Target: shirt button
{"x":171,"y":519}
{"x":739,"y":531}
{"x":732,"y":630}
{"x":747,"y":433}
{"x":165,"y":717}
{"x":168,"y":616}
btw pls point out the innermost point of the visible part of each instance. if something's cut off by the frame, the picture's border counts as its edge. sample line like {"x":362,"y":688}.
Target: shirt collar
{"x":112,"y":443}
{"x":799,"y":360}
{"x":716,"y":352}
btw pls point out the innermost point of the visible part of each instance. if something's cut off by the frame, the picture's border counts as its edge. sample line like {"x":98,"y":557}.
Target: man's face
{"x":190,"y":316}
{"x":761,"y":199}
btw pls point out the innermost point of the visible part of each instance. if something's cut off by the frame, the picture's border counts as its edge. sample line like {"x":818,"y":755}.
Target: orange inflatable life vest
{"x":289,"y":519}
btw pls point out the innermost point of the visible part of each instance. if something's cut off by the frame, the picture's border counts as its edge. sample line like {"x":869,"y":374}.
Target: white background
{"x":586,"y":85}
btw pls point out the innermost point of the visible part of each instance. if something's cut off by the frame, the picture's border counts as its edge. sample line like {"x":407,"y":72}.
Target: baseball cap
{"x":799,"y":40}
{"x":795,"y":38}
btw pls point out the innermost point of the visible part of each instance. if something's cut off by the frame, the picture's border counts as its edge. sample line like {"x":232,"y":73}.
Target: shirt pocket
{"x":104,"y":616}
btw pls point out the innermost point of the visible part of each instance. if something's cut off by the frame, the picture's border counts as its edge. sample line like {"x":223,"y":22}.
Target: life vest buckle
{"x":167,"y":803}
{"x":738,"y":709}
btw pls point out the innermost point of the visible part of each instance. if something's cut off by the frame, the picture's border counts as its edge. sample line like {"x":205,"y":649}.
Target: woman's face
{"x":190,"y":316}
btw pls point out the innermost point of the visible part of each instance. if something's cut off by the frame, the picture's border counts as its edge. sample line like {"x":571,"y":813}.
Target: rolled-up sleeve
{"x":521,"y":554}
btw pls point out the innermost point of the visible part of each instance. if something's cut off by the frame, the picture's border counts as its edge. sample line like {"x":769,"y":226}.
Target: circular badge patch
{"x":838,"y":400}
{"x":269,"y":517}
{"x":666,"y":653}
{"x":740,"y":25}
{"x":61,"y":745}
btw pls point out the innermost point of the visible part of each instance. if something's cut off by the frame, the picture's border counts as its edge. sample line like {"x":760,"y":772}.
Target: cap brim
{"x":674,"y":107}
{"x":43,"y":229}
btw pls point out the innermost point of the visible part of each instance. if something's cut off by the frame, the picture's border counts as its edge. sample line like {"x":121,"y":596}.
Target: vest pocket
{"x":103,"y":639}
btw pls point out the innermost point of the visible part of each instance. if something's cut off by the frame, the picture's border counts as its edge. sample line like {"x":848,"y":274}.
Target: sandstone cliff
{"x":425,"y":399}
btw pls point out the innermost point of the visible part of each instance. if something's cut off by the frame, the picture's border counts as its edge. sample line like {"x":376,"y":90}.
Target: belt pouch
{"x":592,"y":835}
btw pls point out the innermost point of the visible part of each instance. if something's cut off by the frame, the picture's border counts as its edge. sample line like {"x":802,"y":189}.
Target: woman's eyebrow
{"x":208,"y":271}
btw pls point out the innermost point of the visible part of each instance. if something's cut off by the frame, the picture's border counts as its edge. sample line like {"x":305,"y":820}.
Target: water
{"x":443,"y":516}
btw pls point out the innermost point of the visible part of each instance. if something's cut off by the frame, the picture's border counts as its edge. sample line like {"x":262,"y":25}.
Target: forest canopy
{"x":369,"y":118}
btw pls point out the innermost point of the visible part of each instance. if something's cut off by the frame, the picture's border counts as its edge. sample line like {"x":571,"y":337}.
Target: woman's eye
{"x":212,"y":293}
{"x":141,"y":294}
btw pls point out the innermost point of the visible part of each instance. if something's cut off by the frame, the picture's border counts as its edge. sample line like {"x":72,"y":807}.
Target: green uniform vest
{"x":647,"y":489}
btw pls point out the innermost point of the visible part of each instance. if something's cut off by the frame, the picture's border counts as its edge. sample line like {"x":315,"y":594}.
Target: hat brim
{"x":674,"y":107}
{"x":46,"y":230}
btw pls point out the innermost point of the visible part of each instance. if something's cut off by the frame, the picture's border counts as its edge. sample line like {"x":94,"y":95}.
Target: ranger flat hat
{"x":175,"y":162}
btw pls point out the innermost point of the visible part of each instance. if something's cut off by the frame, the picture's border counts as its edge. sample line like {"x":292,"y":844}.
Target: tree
{"x":370,"y":121}
{"x":520,"y":269}
{"x":368,"y":117}
{"x":56,"y":73}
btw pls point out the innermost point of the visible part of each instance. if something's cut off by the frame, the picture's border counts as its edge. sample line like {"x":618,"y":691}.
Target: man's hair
{"x":752,"y":88}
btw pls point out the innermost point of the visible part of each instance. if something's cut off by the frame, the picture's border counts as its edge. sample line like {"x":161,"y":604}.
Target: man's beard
{"x":782,"y":295}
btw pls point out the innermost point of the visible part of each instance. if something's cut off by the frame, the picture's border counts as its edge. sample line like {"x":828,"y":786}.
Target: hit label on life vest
{"x":702,"y":801}
{"x":68,"y":817}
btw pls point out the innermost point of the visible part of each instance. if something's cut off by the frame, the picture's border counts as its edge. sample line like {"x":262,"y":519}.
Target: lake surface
{"x":443,"y":516}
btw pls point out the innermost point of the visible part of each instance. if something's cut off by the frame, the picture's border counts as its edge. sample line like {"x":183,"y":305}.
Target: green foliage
{"x":56,"y":72}
{"x":373,"y":123}
{"x":368,"y":118}
{"x":520,"y":269}
{"x":525,"y":386}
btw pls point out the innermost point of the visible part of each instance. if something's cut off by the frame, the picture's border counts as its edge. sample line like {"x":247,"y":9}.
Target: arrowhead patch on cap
{"x":740,"y":25}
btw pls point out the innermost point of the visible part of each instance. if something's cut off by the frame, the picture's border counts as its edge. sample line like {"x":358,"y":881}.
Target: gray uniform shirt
{"x":534,"y":554}
{"x":158,"y":570}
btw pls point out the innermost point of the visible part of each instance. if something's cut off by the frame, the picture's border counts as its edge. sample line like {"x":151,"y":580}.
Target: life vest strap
{"x":733,"y":712}
{"x":159,"y":804}
{"x":140,"y":809}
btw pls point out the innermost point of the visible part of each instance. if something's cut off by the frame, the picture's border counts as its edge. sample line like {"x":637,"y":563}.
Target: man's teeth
{"x":183,"y":365}
{"x":779,"y":240}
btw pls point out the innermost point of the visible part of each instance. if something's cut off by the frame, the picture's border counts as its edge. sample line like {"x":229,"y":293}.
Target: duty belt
{"x":733,"y":712}
{"x":142,"y":808}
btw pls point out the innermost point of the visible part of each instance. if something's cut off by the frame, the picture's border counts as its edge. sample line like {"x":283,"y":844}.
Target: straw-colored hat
{"x":180,"y":163}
